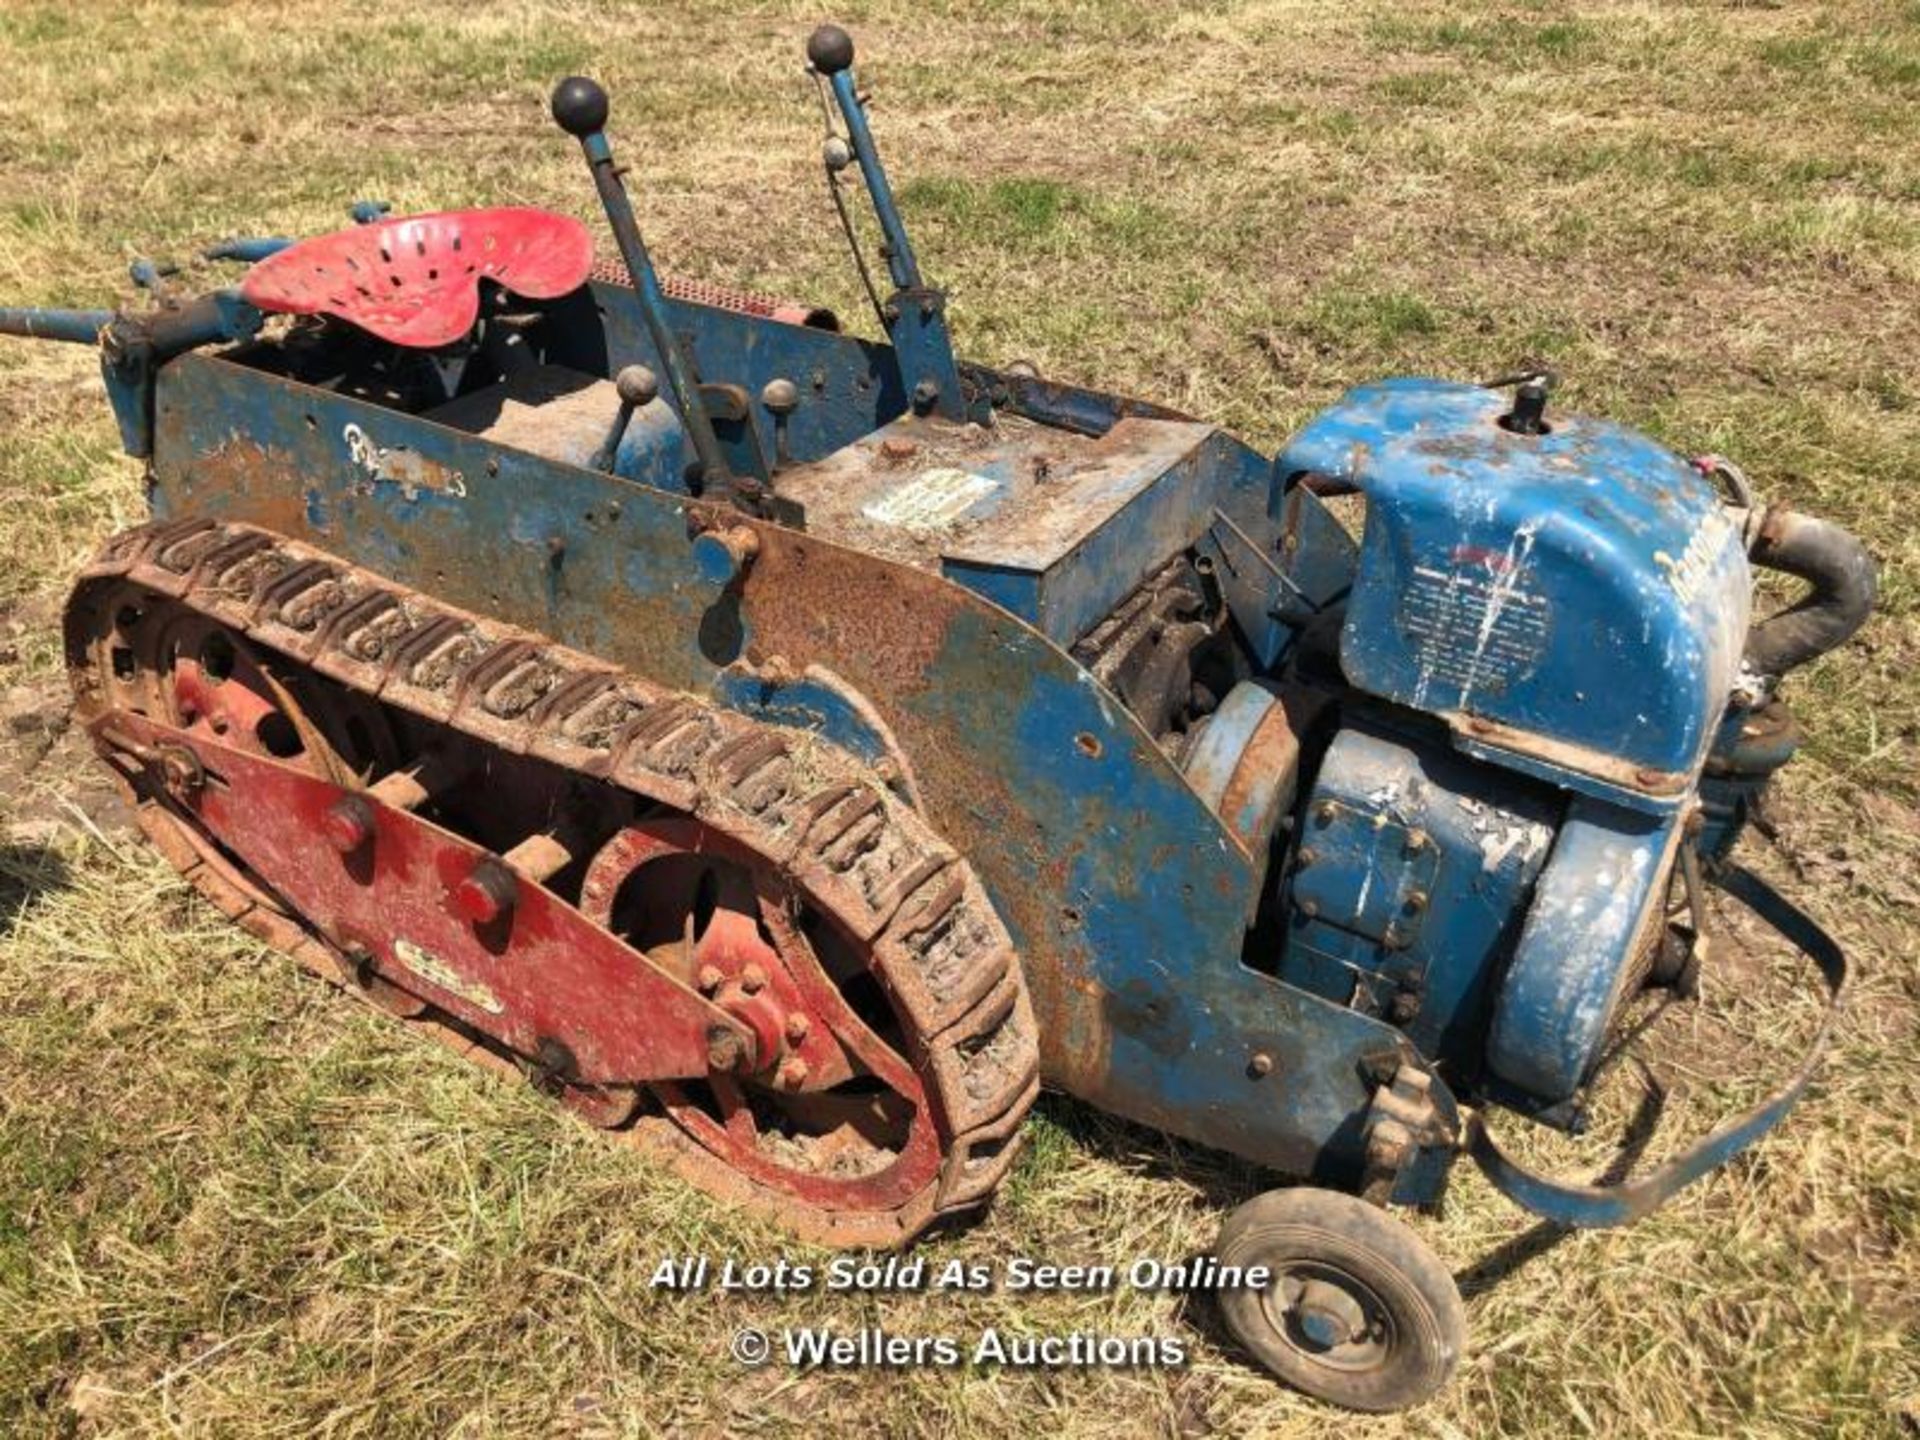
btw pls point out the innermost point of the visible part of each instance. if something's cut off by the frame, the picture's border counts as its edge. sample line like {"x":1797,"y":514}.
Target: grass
{"x":233,"y":1203}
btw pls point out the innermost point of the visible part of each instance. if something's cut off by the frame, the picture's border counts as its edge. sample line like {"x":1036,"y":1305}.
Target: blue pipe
{"x":248,"y":248}
{"x":76,"y":327}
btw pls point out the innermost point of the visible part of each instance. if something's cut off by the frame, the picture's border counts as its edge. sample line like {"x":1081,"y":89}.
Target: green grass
{"x":231,"y":1202}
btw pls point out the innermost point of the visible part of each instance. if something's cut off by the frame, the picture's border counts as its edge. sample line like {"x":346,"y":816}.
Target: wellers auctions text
{"x":873,"y":1348}
{"x":908,"y":1274}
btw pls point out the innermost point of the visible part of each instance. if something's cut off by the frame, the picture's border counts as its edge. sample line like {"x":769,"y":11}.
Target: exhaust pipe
{"x":1834,"y":564}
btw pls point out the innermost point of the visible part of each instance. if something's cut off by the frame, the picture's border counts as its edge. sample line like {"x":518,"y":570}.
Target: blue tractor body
{"x":1315,"y":839}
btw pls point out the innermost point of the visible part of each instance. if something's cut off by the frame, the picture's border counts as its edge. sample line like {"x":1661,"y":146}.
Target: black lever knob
{"x":580,"y":106}
{"x":830,"y":49}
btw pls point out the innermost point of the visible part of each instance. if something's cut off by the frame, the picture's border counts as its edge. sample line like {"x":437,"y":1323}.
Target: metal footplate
{"x":803,"y":811}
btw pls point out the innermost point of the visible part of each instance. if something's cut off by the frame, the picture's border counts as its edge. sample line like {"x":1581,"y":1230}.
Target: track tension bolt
{"x":726,"y":1051}
{"x":348,"y":824}
{"x":487,"y":893}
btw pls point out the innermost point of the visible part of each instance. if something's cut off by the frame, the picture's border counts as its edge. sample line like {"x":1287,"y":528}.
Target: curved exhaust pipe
{"x":1839,"y":572}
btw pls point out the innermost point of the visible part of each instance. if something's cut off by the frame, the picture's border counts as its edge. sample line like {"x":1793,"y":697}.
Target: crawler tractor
{"x":792,"y":750}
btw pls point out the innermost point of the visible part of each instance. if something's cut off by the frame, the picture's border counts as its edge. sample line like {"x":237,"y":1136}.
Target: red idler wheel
{"x":190,"y":671}
{"x":831,"y":1110}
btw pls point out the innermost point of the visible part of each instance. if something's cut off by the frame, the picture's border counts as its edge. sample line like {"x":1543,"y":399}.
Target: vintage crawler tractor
{"x":792,"y":750}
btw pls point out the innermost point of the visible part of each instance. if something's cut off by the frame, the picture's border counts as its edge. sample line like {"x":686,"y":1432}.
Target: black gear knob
{"x":830,"y":49}
{"x":579,"y":105}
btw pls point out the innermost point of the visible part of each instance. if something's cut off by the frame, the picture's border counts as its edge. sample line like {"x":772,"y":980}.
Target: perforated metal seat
{"x":415,"y":280}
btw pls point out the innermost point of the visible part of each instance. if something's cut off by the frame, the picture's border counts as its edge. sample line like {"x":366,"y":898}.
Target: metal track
{"x":844,"y":840}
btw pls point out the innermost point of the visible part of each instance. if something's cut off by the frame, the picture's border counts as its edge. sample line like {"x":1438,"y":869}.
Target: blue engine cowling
{"x":1543,"y":631}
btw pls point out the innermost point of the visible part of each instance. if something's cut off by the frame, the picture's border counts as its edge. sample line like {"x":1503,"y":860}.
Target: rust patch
{"x":257,"y":473}
{"x":881,"y":626}
{"x":1601,"y":766}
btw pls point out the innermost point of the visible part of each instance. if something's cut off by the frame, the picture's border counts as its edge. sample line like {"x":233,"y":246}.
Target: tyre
{"x":1359,"y":1312}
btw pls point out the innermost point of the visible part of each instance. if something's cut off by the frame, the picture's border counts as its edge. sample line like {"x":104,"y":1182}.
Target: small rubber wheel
{"x":1360,"y":1312}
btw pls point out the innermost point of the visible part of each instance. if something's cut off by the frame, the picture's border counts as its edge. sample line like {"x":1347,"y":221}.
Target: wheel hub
{"x":1333,"y":1318}
{"x":826,"y":1107}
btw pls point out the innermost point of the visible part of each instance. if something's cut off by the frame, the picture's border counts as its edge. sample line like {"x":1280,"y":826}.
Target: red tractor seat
{"x":415,"y":279}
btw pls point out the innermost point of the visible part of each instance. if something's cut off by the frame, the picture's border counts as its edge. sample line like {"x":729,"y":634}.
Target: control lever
{"x":916,"y":313}
{"x":580,"y":107}
{"x":637,"y":386}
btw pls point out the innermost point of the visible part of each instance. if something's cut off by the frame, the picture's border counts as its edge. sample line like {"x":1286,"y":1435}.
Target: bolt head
{"x":722,"y":556}
{"x":798,"y":1028}
{"x":710,"y":979}
{"x":180,"y":769}
{"x":793,"y":1072}
{"x":753,"y":979}
{"x":1260,"y":1066}
{"x":487,"y":893}
{"x":348,"y":824}
{"x":724,"y":1050}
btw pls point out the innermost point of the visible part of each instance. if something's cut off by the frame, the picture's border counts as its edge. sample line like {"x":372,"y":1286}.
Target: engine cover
{"x":1579,"y":595}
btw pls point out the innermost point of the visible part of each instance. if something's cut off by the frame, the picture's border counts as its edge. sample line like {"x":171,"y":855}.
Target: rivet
{"x":1261,"y":1065}
{"x":753,"y":979}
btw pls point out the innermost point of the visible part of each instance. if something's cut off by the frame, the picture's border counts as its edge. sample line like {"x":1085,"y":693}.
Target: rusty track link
{"x":844,"y":840}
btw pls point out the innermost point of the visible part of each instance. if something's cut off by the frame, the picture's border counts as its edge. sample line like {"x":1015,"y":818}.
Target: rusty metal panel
{"x":1054,"y":526}
{"x":1124,"y":894}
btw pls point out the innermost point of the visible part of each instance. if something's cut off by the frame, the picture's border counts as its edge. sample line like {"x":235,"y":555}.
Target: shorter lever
{"x":916,"y":313}
{"x":636,"y":386}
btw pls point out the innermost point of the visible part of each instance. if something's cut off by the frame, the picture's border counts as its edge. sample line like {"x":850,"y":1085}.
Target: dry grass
{"x":232,"y":1202}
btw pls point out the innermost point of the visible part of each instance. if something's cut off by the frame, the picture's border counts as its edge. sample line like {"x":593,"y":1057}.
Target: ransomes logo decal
{"x":438,"y":973}
{"x":1700,"y":561}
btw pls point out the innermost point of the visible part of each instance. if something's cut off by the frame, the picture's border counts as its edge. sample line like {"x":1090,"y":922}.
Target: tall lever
{"x":915,"y":313}
{"x":580,"y":107}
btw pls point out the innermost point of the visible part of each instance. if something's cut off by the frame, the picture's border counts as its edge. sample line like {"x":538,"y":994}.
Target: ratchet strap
{"x":1599,"y":1206}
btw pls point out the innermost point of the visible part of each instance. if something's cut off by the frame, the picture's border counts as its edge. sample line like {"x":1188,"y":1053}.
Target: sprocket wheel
{"x":835,"y":1113}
